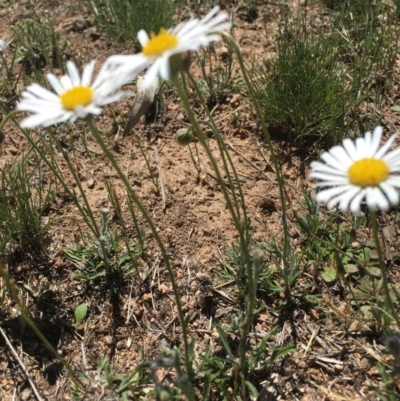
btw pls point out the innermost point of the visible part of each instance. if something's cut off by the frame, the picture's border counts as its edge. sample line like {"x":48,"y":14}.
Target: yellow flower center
{"x":77,"y":96}
{"x":160,"y":43}
{"x":368,"y":172}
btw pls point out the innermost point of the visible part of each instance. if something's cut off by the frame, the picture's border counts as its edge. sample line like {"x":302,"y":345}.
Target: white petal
{"x":375,"y":199}
{"x":341,"y":155}
{"x":346,"y":198}
{"x":351,"y":150}
{"x":182,"y":29}
{"x":39,"y":106}
{"x":392,"y":157}
{"x":336,"y":158}
{"x":73,"y":73}
{"x":122,"y":69}
{"x":219,"y":23}
{"x":143,"y":38}
{"x":324,"y":168}
{"x":333,"y":202}
{"x":165,"y":68}
{"x":206,"y":40}
{"x":325,"y":195}
{"x":151,"y":74}
{"x":385,"y":147}
{"x":43,"y":119}
{"x":119,"y":59}
{"x":338,"y":183}
{"x":327,"y":178}
{"x":55,"y":83}
{"x":3,"y":45}
{"x":362,"y":150}
{"x":394,"y":181}
{"x":368,"y":139}
{"x":355,"y":204}
{"x":66,"y":83}
{"x":376,"y":140}
{"x":210,"y":14}
{"x":87,"y":73}
{"x":390,"y":192}
{"x":42,"y":93}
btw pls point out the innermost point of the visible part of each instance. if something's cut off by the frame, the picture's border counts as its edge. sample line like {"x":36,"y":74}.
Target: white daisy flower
{"x":157,"y":50}
{"x":358,"y":171}
{"x":75,"y":96}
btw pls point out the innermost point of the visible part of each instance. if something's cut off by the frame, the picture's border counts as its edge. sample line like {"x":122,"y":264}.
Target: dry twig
{"x":22,"y":366}
{"x":161,"y":180}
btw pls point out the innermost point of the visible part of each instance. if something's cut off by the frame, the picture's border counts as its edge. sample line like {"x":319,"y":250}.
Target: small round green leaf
{"x":80,"y":313}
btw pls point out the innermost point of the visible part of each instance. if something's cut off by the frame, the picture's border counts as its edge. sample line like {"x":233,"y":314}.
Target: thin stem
{"x":374,"y":223}
{"x":196,"y":127}
{"x":53,"y":169}
{"x":239,"y":225}
{"x":8,"y":117}
{"x":223,"y":149}
{"x":279,"y":175}
{"x":134,"y":197}
{"x":25,"y":314}
{"x":72,"y":169}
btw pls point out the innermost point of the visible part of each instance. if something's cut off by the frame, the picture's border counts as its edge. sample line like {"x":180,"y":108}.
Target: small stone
{"x":223,"y":53}
{"x":374,"y":254}
{"x":355,"y":326}
{"x":389,"y":233}
{"x":12,"y":150}
{"x":164,"y":289}
{"x":80,"y":24}
{"x":235,"y":98}
{"x":146,"y":297}
{"x":201,"y":300}
{"x":202,"y":276}
{"x":138,"y":311}
{"x":364,"y":363}
{"x":108,"y":340}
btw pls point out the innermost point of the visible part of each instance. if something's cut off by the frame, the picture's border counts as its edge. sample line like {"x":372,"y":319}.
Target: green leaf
{"x":224,"y":341}
{"x":366,"y":310}
{"x":374,"y":271}
{"x":366,"y":255}
{"x":80,"y":313}
{"x":252,"y":389}
{"x":329,"y":274}
{"x":350,"y":268}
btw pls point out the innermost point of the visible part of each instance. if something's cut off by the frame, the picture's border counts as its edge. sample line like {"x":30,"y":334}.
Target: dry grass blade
{"x":22,"y":366}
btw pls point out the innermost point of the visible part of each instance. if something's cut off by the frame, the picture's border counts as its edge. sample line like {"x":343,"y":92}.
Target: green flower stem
{"x":96,"y":134}
{"x":34,"y":145}
{"x":203,"y":141}
{"x":9,"y":116}
{"x":25,"y":314}
{"x":93,"y":226}
{"x":224,"y":151}
{"x":279,"y":175}
{"x":243,"y":241}
{"x":374,"y":223}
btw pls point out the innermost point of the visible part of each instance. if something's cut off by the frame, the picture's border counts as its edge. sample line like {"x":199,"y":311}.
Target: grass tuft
{"x":22,"y":205}
{"x":315,"y":87}
{"x":39,"y":45}
{"x":124,"y":18}
{"x":301,"y":91}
